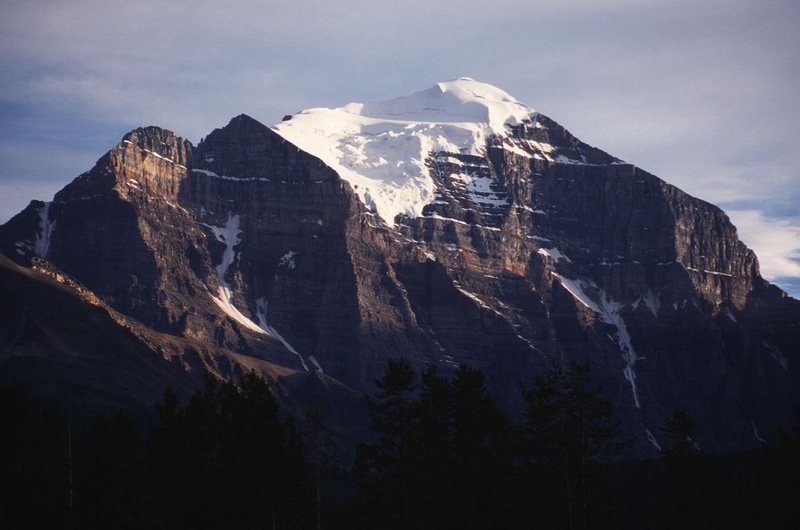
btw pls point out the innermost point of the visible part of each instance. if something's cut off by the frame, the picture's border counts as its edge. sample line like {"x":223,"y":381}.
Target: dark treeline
{"x":443,"y":456}
{"x":447,"y":457}
{"x":225,"y":459}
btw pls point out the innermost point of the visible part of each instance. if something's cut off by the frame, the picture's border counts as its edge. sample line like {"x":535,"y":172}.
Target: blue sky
{"x":704,"y":94}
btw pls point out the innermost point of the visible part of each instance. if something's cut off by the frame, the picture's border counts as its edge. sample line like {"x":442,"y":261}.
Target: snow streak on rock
{"x":554,"y":254}
{"x":261,"y":311}
{"x":288,"y":260}
{"x":755,"y":433}
{"x":229,"y":234}
{"x":46,"y":227}
{"x":651,"y":301}
{"x":776,"y":354}
{"x":652,"y":440}
{"x":596,"y":299}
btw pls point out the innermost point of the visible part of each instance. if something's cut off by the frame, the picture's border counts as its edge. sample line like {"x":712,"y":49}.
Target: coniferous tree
{"x":568,"y":430}
{"x":185,"y":454}
{"x":687,"y":500}
{"x":227,"y":459}
{"x":433,"y":449}
{"x":481,"y":456}
{"x":778,"y":482}
{"x":111,"y":471}
{"x":383,"y":470}
{"x":317,"y":435}
{"x":34,"y":467}
{"x":442,"y":456}
{"x":679,"y":433}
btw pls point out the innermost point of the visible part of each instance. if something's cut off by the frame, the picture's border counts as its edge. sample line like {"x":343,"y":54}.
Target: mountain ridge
{"x":534,"y":249}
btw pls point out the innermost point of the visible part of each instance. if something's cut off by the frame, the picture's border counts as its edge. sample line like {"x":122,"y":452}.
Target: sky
{"x":706,"y":95}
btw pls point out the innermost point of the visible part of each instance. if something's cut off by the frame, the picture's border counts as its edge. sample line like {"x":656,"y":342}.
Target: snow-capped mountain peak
{"x":533,"y":248}
{"x":381,"y":148}
{"x":462,"y":100}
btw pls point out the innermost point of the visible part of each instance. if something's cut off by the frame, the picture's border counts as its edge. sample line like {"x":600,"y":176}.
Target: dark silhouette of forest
{"x":442,"y":456}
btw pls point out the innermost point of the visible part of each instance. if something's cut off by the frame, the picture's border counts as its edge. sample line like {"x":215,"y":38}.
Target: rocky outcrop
{"x":536,"y":250}
{"x":65,"y":342}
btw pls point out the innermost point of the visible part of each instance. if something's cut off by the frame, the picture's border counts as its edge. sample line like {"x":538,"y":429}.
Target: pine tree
{"x":687,"y":499}
{"x":568,"y":430}
{"x":679,"y":433}
{"x":111,"y":475}
{"x":432,"y":449}
{"x":481,"y":458}
{"x":227,"y":459}
{"x":441,"y":459}
{"x":383,"y":469}
{"x":34,"y":475}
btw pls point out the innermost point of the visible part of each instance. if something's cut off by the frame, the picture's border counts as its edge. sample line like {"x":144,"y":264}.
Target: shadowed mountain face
{"x":527,"y":249}
{"x":65,"y":342}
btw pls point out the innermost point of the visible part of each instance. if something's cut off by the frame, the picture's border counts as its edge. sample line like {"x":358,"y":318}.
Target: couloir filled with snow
{"x":381,"y":148}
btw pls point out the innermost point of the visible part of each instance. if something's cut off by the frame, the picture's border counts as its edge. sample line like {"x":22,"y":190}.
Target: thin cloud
{"x":775,"y":241}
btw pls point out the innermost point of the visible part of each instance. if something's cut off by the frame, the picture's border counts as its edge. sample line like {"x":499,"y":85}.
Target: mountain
{"x":60,"y":337}
{"x":454,"y":225}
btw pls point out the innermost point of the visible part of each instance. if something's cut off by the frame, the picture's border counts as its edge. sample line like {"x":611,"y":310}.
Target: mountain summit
{"x":455,"y":225}
{"x":382,"y":149}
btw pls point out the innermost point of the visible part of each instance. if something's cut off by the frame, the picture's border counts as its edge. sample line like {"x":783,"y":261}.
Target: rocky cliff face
{"x":63,"y":340}
{"x":503,"y":242}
